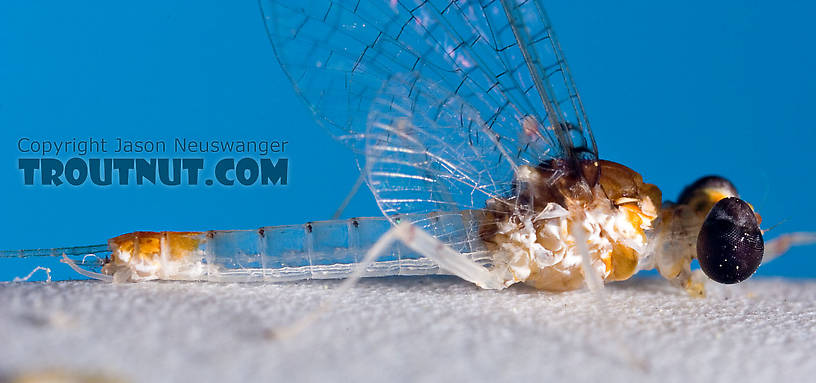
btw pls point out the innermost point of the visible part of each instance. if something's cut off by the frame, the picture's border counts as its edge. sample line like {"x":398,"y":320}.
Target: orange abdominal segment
{"x":146,"y":245}
{"x":152,"y":255}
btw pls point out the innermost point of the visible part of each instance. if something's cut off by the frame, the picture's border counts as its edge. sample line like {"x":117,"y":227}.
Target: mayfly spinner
{"x":473,"y":139}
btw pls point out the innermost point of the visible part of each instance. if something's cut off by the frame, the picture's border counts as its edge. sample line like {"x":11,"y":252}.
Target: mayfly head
{"x":729,"y":243}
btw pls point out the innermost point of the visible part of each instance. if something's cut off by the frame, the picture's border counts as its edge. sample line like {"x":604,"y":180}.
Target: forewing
{"x":523,"y":32}
{"x":339,"y":53}
{"x":498,"y":58}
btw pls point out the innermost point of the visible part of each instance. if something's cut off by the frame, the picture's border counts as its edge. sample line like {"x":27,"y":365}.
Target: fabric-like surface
{"x":409,"y":329}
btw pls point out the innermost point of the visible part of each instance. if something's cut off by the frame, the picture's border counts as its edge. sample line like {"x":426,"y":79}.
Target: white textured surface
{"x":409,"y":329}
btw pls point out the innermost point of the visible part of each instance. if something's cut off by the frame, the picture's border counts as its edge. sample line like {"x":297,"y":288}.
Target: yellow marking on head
{"x":704,"y":199}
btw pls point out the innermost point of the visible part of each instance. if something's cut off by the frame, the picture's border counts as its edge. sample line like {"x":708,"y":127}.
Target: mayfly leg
{"x":592,"y":279}
{"x":354,"y":189}
{"x":417,"y":240}
{"x":780,"y":245}
{"x":447,"y":258}
{"x":595,"y":284}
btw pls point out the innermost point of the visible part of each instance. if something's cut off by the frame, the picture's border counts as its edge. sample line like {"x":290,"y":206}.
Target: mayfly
{"x":474,"y":141}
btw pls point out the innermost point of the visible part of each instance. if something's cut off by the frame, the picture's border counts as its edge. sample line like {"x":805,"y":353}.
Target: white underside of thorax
{"x":541,"y":249}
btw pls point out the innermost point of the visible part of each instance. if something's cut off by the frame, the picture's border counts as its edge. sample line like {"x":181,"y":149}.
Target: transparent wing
{"x":446,"y":99}
{"x":524,"y":29}
{"x":428,"y":150}
{"x":500,"y":56}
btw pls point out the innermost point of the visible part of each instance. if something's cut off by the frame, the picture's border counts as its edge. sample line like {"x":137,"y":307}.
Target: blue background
{"x":674,"y":91}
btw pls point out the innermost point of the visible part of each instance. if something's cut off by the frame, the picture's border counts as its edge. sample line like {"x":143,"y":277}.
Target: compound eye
{"x":730,"y":244}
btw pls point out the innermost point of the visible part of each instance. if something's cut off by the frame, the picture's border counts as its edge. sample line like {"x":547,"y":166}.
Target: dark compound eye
{"x":730,"y":244}
{"x":707,"y":183}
